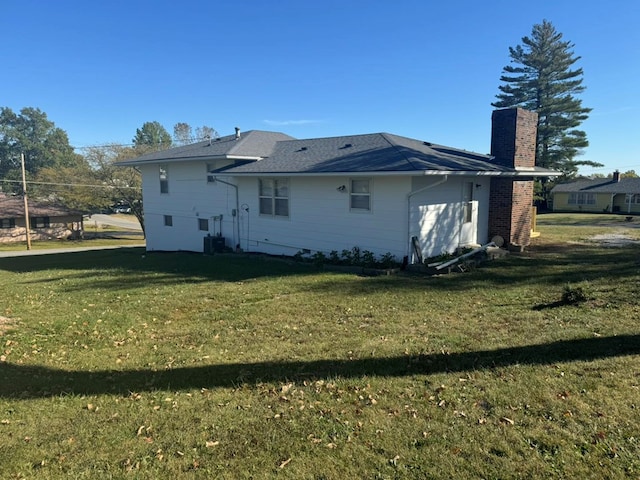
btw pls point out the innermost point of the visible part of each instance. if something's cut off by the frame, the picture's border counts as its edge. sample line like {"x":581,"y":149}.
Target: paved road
{"x":116,"y":221}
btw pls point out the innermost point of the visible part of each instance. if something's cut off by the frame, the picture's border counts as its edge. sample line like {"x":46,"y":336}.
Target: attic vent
{"x":347,"y":145}
{"x":302,"y":149}
{"x":428,"y":144}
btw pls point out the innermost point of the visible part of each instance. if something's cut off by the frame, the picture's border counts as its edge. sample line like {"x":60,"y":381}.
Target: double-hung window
{"x":7,"y":222}
{"x":581,"y":198}
{"x":274,"y":196}
{"x":360,"y":194}
{"x":164,"y":179}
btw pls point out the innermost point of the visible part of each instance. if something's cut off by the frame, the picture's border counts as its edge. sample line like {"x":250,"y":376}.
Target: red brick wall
{"x":513,"y":144}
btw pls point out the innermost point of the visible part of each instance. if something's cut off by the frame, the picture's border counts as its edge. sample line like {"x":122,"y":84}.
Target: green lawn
{"x":121,"y":364}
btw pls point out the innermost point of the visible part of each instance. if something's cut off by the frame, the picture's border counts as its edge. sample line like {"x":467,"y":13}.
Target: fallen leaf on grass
{"x":212,"y":443}
{"x":285,"y":463}
{"x":507,"y":421}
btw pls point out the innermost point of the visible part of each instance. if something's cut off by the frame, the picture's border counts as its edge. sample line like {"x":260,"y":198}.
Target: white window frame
{"x":275,"y":200}
{"x":361,"y":195}
{"x":163,"y":174}
{"x":581,"y":198}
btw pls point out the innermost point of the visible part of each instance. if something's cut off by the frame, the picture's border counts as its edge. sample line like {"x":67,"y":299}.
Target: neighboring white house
{"x":267,"y":192}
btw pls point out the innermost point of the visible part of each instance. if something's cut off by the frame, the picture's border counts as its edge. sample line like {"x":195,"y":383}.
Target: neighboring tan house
{"x":613,"y":195}
{"x":268,"y":192}
{"x":46,"y":221}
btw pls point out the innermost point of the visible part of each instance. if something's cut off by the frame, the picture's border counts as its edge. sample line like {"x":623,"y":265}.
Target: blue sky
{"x":418,"y":68}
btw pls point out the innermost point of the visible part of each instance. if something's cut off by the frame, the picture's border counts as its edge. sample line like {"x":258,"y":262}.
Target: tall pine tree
{"x":540,"y":78}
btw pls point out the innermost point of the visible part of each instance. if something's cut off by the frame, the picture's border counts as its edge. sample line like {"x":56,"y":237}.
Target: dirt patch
{"x":5,"y":324}
{"x":614,"y":240}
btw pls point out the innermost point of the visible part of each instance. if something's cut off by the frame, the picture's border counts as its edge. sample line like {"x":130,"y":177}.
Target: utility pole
{"x":26,"y":203}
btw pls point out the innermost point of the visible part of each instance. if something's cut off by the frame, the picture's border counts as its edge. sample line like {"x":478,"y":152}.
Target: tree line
{"x":90,"y":181}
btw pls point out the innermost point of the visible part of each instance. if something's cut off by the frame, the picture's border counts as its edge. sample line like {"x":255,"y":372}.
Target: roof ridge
{"x":240,"y":139}
{"x":395,"y":147}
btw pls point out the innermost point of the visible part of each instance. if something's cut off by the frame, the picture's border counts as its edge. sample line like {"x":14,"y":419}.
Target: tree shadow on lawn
{"x":132,"y":264}
{"x":22,"y":382}
{"x":133,"y":267}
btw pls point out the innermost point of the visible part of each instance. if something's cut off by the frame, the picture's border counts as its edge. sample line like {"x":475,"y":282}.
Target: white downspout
{"x":237,"y":216}
{"x":411,"y":194}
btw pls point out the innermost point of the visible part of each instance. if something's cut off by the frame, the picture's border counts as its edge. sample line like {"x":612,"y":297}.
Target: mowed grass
{"x":121,"y":364}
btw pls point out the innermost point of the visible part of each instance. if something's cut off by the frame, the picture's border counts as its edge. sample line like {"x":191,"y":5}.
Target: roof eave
{"x":204,"y":158}
{"x":466,"y":173}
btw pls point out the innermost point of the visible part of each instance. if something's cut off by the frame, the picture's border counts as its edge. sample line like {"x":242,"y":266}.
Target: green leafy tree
{"x":151,"y":136}
{"x":75,"y":187}
{"x":31,"y":133}
{"x":124,"y":184}
{"x":542,"y":78}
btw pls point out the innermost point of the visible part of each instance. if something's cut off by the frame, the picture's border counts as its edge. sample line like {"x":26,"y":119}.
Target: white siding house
{"x":267,"y":192}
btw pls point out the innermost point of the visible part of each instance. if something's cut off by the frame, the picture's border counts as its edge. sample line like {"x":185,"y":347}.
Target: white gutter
{"x":237,"y":215}
{"x":427,"y":173}
{"x":411,"y":194}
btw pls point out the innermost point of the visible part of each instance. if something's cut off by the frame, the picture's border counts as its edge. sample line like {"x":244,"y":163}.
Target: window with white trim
{"x":360,"y":194}
{"x":274,"y":196}
{"x":164,"y":179}
{"x":582,"y":198}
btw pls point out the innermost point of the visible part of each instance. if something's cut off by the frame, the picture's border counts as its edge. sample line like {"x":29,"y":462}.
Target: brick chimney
{"x":513,"y":145}
{"x":616,"y":176}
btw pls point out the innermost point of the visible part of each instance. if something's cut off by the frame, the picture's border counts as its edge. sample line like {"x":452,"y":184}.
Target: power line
{"x":70,"y":184}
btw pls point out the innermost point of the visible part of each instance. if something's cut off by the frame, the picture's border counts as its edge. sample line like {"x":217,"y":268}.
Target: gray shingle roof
{"x":601,"y":185}
{"x":277,"y":153}
{"x":251,"y":144}
{"x":376,"y":152}
{"x":13,"y":207}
